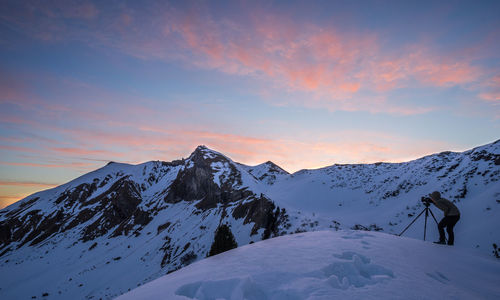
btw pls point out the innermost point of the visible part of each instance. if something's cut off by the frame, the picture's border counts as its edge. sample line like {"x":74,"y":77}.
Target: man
{"x":451,"y":217}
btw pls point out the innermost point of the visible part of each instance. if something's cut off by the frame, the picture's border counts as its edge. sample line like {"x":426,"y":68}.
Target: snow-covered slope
{"x":332,"y":265}
{"x":386,"y":196}
{"x":121,"y":226}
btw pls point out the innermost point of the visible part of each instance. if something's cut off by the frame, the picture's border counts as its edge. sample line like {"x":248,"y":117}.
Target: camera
{"x":426,"y":201}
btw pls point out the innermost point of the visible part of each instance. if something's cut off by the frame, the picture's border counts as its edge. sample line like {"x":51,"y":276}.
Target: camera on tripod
{"x":426,"y":201}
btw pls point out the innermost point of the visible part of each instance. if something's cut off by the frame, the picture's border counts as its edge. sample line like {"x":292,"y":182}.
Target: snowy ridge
{"x":267,"y":172}
{"x":157,"y":217}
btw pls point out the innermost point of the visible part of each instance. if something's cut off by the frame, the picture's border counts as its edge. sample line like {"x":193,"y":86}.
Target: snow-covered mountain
{"x":120,"y":226}
{"x":332,"y":265}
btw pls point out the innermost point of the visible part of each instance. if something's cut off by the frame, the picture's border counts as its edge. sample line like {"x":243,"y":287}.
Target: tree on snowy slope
{"x":223,"y":240}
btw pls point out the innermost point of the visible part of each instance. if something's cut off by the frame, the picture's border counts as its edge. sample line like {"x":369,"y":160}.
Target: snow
{"x":267,"y":172}
{"x":221,"y":169}
{"x":333,"y":265}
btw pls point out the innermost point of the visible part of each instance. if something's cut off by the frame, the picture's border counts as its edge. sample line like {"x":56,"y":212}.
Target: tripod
{"x":426,"y":210}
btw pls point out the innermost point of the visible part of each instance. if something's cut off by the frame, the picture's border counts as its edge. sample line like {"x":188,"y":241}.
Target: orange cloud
{"x":28,"y":184}
{"x":8,"y":200}
{"x":62,"y":165}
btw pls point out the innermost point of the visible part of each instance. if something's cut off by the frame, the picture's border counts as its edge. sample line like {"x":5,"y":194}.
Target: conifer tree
{"x":223,"y":240}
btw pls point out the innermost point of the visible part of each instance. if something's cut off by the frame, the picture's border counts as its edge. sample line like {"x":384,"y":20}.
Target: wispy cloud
{"x":84,"y":152}
{"x":28,"y":184}
{"x":337,"y":67}
{"x":48,"y":165}
{"x":492,"y":92}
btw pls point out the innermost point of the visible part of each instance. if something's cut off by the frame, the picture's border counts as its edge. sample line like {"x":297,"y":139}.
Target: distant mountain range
{"x":123,"y":225}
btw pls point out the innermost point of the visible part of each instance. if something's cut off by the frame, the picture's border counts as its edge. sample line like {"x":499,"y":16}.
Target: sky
{"x":304,"y":84}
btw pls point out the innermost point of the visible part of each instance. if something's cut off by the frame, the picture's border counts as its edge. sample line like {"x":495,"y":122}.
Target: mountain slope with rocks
{"x":121,"y":226}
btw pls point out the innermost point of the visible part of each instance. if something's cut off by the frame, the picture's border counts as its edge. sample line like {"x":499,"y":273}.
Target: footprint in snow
{"x":351,"y":270}
{"x":357,"y":271}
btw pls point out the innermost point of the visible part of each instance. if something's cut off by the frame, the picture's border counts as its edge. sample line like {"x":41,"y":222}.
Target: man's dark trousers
{"x":448,"y":222}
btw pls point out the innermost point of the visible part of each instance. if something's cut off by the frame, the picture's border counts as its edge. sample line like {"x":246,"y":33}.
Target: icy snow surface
{"x":333,"y":265}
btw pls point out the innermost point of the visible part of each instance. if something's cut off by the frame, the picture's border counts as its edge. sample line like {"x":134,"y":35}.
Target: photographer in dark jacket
{"x":451,"y":217}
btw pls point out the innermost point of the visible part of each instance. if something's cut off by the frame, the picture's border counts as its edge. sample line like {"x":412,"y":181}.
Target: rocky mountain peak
{"x":267,"y":172}
{"x":275,"y":168}
{"x":201,"y":148}
{"x":203,"y":153}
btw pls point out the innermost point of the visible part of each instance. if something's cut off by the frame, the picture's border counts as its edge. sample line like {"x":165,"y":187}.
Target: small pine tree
{"x":223,"y":240}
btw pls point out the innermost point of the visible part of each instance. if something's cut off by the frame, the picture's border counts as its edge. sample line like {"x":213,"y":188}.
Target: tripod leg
{"x":432,"y":214}
{"x":411,"y":223}
{"x":425,"y":223}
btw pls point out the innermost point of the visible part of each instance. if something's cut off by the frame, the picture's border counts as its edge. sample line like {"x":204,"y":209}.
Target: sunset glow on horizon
{"x":304,"y":84}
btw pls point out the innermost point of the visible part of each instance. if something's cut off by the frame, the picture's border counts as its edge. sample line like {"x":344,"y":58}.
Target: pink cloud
{"x":84,"y":152}
{"x":18,"y":148}
{"x":287,"y":54}
{"x":492,"y":90}
{"x":156,"y":137}
{"x":332,"y":65}
{"x":493,"y":97}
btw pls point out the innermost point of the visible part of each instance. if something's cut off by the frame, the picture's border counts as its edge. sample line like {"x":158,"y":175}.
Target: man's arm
{"x":442,"y":205}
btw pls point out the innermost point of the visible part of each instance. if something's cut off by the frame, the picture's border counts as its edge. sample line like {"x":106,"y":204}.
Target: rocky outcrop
{"x":196,"y":182}
{"x":111,"y":209}
{"x":116,"y":206}
{"x":77,"y":195}
{"x":262,"y":213}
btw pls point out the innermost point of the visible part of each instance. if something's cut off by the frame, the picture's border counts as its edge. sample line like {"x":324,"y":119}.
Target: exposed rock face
{"x":261,"y":212}
{"x":114,"y":206}
{"x":80,"y":194}
{"x":196,"y":182}
{"x":117,"y":205}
